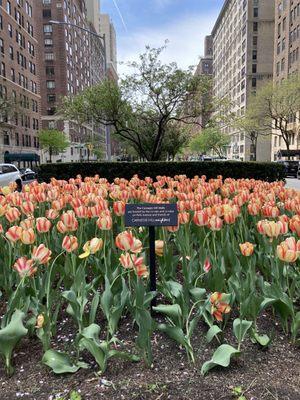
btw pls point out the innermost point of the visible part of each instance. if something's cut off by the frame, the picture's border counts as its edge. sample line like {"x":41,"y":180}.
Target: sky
{"x":184,"y":23}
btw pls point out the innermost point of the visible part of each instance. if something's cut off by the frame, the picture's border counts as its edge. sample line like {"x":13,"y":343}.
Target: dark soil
{"x":263,"y":374}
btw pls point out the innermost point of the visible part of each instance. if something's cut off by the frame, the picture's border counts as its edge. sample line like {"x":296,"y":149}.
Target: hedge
{"x":110,"y":170}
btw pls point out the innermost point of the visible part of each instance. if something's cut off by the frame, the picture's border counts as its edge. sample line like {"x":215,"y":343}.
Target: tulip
{"x":289,"y":250}
{"x":104,"y":222}
{"x":61,"y":227}
{"x":130,"y":261}
{"x":92,"y":247}
{"x":142,"y":271}
{"x":13,"y":234}
{"x":24,"y":267}
{"x":52,"y":214}
{"x":27,"y":223}
{"x":1,"y":229}
{"x":172,"y":228}
{"x":215,"y":223}
{"x":119,"y":208}
{"x":43,"y":225}
{"x":5,"y":190}
{"x":218,"y":308}
{"x":40,"y":321}
{"x":69,"y":220}
{"x":12,"y":214}
{"x":27,"y":208}
{"x":159,"y":248}
{"x":229,"y":217}
{"x":41,"y":254}
{"x":183,"y":218}
{"x":70,"y":243}
{"x":201,"y":218}
{"x":28,"y":236}
{"x":207,"y":265}
{"x":125,"y":240}
{"x":247,"y":249}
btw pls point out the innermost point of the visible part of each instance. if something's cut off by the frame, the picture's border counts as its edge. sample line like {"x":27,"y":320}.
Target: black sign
{"x":151,"y":215}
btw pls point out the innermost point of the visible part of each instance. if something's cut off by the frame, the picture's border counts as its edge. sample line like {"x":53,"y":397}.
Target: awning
{"x":11,"y":157}
{"x":288,"y":153}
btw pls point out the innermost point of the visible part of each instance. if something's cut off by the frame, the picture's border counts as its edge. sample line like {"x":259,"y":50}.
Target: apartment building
{"x":243,"y":56}
{"x":108,"y":30}
{"x":72,"y":58}
{"x":19,"y":82}
{"x":286,"y":62}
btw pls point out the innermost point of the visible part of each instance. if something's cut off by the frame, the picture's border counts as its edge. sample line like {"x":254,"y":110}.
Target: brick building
{"x":19,"y":81}
{"x":71,"y":60}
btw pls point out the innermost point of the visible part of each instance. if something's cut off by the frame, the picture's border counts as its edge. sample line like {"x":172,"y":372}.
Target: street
{"x":293,"y":183}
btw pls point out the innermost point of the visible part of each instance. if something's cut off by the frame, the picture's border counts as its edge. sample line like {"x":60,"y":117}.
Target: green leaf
{"x":221,"y":357}
{"x":60,"y":363}
{"x":263,"y":340}
{"x":240,"y":328}
{"x":212,"y":332}
{"x":10,"y":337}
{"x":174,"y":333}
{"x":197,"y":293}
{"x":94,"y":307}
{"x":172,"y":311}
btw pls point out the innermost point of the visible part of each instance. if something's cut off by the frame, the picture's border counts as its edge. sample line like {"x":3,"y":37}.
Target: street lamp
{"x":54,"y":22}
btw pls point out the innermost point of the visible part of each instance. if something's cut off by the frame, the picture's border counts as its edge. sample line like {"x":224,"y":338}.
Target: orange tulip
{"x":247,"y":249}
{"x":119,"y":208}
{"x":24,"y":267}
{"x":13,"y":234}
{"x":104,"y":222}
{"x":215,"y":223}
{"x":130,"y":261}
{"x":289,"y":250}
{"x":41,"y":254}
{"x":70,"y":243}
{"x":125,"y":240}
{"x":27,"y":208}
{"x":183,"y":218}
{"x":201,"y":218}
{"x":12,"y":214}
{"x":43,"y":225}
{"x":52,"y":214}
{"x":69,"y":220}
{"x":28,"y":236}
{"x":218,"y":308}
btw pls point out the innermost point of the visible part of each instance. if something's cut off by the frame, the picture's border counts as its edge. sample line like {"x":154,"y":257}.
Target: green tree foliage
{"x":53,"y":141}
{"x":276,"y":107}
{"x":8,"y":107}
{"x":210,"y":139}
{"x":144,"y":107}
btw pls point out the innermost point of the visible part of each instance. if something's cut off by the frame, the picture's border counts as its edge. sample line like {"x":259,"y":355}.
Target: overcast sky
{"x":184,"y":23}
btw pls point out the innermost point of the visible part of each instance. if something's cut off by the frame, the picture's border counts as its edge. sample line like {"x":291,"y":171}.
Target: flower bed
{"x":64,"y":249}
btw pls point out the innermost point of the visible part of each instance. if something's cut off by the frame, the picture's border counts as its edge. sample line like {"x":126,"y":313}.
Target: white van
{"x":9,"y":173}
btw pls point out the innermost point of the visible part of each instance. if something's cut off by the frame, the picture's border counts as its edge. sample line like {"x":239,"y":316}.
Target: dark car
{"x":291,"y":167}
{"x":27,"y":175}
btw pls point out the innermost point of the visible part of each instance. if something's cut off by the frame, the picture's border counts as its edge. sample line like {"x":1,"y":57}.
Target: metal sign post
{"x":151,"y":215}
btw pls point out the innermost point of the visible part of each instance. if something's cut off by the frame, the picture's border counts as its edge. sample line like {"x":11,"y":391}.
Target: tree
{"x":146,"y":103}
{"x":277,"y":107}
{"x":53,"y":141}
{"x":210,"y":139}
{"x":252,"y":128}
{"x":8,"y":107}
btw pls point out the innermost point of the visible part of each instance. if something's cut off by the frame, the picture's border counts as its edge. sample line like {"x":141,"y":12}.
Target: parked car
{"x":291,"y":167}
{"x":28,"y":175}
{"x":9,"y":173}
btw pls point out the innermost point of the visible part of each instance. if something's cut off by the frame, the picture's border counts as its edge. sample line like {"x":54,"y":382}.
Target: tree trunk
{"x":50,"y":154}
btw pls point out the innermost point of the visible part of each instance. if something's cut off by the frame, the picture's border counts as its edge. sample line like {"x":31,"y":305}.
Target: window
{"x":50,"y":71}
{"x":10,"y":30}
{"x":278,"y":48}
{"x":255,"y":12}
{"x":46,"y":13}
{"x":283,"y":64}
{"x":12,"y":75}
{"x":283,"y":44}
{"x":17,"y":139}
{"x":255,"y":26}
{"x":283,"y":24}
{"x":49,"y":56}
{"x":51,"y":98}
{"x":279,"y":29}
{"x":50,"y":84}
{"x":254,"y":82}
{"x":1,"y":46}
{"x":8,"y":7}
{"x":254,"y":40}
{"x":254,"y":54}
{"x":11,"y":52}
{"x":254,"y":68}
{"x":48,"y":42}
{"x":2,"y":69}
{"x":47,"y":28}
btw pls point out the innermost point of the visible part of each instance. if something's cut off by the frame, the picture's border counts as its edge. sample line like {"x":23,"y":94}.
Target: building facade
{"x":19,"y":83}
{"x":108,"y":30}
{"x":72,"y":58}
{"x":243,"y":56}
{"x":286,"y":62}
